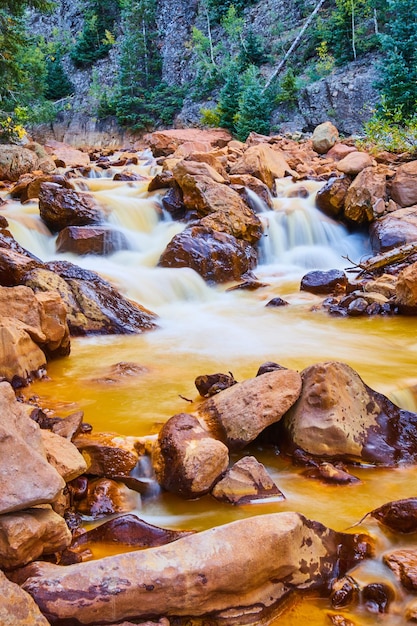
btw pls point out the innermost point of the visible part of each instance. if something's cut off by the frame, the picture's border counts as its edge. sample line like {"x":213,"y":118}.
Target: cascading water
{"x":206,"y":329}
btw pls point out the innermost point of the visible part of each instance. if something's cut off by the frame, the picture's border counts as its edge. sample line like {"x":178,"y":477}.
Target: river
{"x":205,"y":329}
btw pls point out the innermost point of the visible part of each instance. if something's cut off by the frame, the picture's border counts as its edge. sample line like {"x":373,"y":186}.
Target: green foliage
{"x":288,"y":89}
{"x":255,"y":107}
{"x":96,"y":39}
{"x":398,"y":84}
{"x":218,"y":8}
{"x":229,"y":99}
{"x":253,"y":51}
{"x":389,"y":130}
{"x":58,"y":84}
{"x":210,"y":117}
{"x":11,"y":128}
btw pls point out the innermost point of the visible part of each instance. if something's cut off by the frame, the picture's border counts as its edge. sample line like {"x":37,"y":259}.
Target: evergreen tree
{"x":229,"y":100}
{"x":254,"y":106}
{"x":96,"y":38}
{"x":252,"y":50}
{"x":398,"y":84}
{"x":58,"y":84}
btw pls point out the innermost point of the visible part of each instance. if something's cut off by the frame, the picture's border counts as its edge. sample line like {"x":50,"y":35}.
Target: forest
{"x":246,"y":74}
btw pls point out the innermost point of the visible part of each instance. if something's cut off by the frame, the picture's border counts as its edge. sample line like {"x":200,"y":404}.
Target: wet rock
{"x":28,"y":186}
{"x":68,"y":426}
{"x":129,"y":530}
{"x":93,"y":305}
{"x":277,"y":302}
{"x":404,"y":185}
{"x":263,"y":198}
{"x":324,"y":137}
{"x":90,"y":240}
{"x":339,"y":417}
{"x":359,"y":303}
{"x":331,"y":474}
{"x":248,"y":285}
{"x":406,"y":290}
{"x":128,"y":174}
{"x":354,"y":163}
{"x":377,"y":597}
{"x":60,"y":207}
{"x":107,"y":497}
{"x":239,"y":414}
{"x":246,"y":481}
{"x":399,"y":516}
{"x":318,"y":281}
{"x":172,"y":202}
{"x":108,"y":454}
{"x":26,"y":477}
{"x":394,"y":229}
{"x":161,"y":181}
{"x":166,"y":142}
{"x":53,"y":316}
{"x":269,"y":366}
{"x":21,"y":359}
{"x":192,"y":576}
{"x":210,"y":384}
{"x":403,"y":564}
{"x":27,"y":535}
{"x":340,"y":620}
{"x":345,"y":592}
{"x":123,"y":372}
{"x":63,"y":456}
{"x":385,"y":285}
{"x":217,"y":256}
{"x":14,"y":260}
{"x":15,"y":161}
{"x":331,"y":197}
{"x":363,"y":195}
{"x":187,"y":460}
{"x":263,"y":162}
{"x":17,"y":606}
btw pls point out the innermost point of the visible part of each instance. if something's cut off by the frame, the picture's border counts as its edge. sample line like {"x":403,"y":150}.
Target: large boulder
{"x":93,"y":305}
{"x":186,"y":458}
{"x":324,"y":137}
{"x":166,"y":142}
{"x":363,"y":195}
{"x":339,"y":417}
{"x":394,"y":229}
{"x":202,"y":574}
{"x":324,"y":281}
{"x":406,"y":289}
{"x":17,"y":606}
{"x":63,"y":455}
{"x":26,"y":535}
{"x":15,"y":161}
{"x":239,"y":414}
{"x":354,"y":162}
{"x":65,"y":155}
{"x":91,"y":240}
{"x":21,"y":359}
{"x":263,"y":162}
{"x":331,"y":197}
{"x":217,"y":256}
{"x":108,"y":454}
{"x":60,"y":207}
{"x":404,"y":185}
{"x":26,"y":476}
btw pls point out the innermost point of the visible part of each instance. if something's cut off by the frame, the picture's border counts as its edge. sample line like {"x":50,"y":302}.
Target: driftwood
{"x":378,"y":262}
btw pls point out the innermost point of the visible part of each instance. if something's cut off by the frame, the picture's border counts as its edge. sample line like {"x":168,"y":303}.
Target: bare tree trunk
{"x":376,"y":29}
{"x":210,"y":38}
{"x":294,"y":44}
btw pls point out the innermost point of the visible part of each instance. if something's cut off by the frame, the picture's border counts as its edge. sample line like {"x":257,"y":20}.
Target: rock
{"x":15,"y":161}
{"x":186,"y":459}
{"x":217,"y":256}
{"x":363,"y":195}
{"x":338,"y":416}
{"x":108,"y":454}
{"x":21,"y":360}
{"x":403,"y":563}
{"x":210,"y":384}
{"x":339,"y":151}
{"x":17,"y":606}
{"x":394,"y":229}
{"x":377,"y":597}
{"x":107,"y":497}
{"x":239,"y":414}
{"x":262,"y":199}
{"x":14,"y":263}
{"x":91,"y":240}
{"x":354,"y":163}
{"x":404,"y":185}
{"x":172,"y":202}
{"x":26,"y":477}
{"x":277,"y":302}
{"x":406,"y":289}
{"x":129,"y":530}
{"x":246,"y":481}
{"x":399,"y":516}
{"x":324,"y":137}
{"x":203,"y":574}
{"x":27,"y":535}
{"x":53,"y":314}
{"x":163,"y":180}
{"x":345,"y":591}
{"x":331,"y":197}
{"x":28,"y":187}
{"x":93,"y":305}
{"x":166,"y":142}
{"x":60,"y":207}
{"x":263,"y":162}
{"x":385,"y":285}
{"x":67,"y":155}
{"x":329,"y":473}
{"x":68,"y":426}
{"x":318,"y":281}
{"x":128,"y":174}
{"x":63,"y":456}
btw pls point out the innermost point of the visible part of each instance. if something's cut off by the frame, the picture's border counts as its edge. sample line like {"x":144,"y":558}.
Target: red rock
{"x":163,"y":143}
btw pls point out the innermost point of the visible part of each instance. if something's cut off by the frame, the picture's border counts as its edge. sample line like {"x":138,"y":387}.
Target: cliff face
{"x":346,"y":96}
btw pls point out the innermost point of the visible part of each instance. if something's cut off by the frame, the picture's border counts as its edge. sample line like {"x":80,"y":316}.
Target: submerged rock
{"x":91,"y":240}
{"x":320,"y":281}
{"x":339,"y":417}
{"x":246,"y":481}
{"x":399,"y":516}
{"x":202,"y":574}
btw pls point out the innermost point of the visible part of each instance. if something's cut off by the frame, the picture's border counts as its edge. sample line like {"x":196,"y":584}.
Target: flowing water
{"x":206,"y":329}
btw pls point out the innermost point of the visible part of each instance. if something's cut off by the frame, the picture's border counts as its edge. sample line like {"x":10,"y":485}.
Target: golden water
{"x":207,"y":329}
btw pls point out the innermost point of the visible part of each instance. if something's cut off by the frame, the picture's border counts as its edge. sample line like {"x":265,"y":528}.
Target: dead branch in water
{"x":378,"y":262}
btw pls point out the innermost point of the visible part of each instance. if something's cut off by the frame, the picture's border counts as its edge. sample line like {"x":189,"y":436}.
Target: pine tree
{"x":95,"y":39}
{"x":398,"y":85}
{"x":229,"y":99}
{"x":58,"y":84}
{"x":254,"y":106}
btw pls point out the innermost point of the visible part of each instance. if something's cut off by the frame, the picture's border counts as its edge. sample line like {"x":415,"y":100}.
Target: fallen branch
{"x":375,"y":263}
